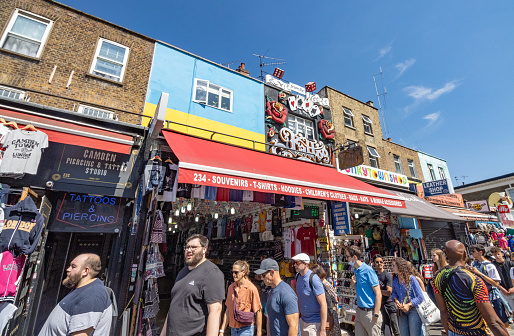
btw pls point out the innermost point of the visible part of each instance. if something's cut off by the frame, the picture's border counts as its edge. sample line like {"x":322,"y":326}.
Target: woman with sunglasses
{"x":407,"y":294}
{"x":243,"y":293}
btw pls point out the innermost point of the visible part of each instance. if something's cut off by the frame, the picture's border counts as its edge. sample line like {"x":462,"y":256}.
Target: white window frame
{"x":299,"y":120}
{"x":110,"y":114}
{"x":398,"y":163}
{"x":441,"y":173}
{"x":412,"y":167}
{"x":97,"y":56}
{"x":431,"y":171}
{"x":31,"y":16}
{"x":205,"y":102}
{"x":367,"y":122}
{"x":11,"y":90}
{"x":373,"y":157}
{"x":348,"y":115}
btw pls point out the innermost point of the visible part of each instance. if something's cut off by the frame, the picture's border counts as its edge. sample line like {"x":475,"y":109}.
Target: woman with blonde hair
{"x":439,"y":260}
{"x":407,"y":294}
{"x":242,"y":302}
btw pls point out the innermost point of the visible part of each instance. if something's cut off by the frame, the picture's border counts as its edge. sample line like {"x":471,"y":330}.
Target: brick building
{"x":57,"y":56}
{"x":356,"y":121}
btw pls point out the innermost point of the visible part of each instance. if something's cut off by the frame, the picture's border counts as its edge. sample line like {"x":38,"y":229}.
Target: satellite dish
{"x":495,"y":200}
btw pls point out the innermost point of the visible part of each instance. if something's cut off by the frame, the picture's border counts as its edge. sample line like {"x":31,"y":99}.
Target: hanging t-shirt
{"x":276,"y":223}
{"x":23,"y":151}
{"x":297,"y":242}
{"x":248,"y":223}
{"x":288,"y":240}
{"x":262,"y":221}
{"x":237,"y":228}
{"x":269,"y":218}
{"x":230,"y":232}
{"x":184,"y":190}
{"x":248,"y":195}
{"x":4,"y":130}
{"x":198,"y":191}
{"x":224,"y":227}
{"x":255,"y":222}
{"x":169,"y":187}
{"x":222,"y":195}
{"x":235,"y":195}
{"x":219,"y":225}
{"x":210,"y":193}
{"x":259,"y":197}
{"x":307,"y":237}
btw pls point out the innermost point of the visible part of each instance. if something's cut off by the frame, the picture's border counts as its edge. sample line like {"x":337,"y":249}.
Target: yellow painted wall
{"x":207,"y":124}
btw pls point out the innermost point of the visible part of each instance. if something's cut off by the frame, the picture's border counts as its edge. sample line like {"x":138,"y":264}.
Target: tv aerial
{"x":263,"y":64}
{"x":230,"y":63}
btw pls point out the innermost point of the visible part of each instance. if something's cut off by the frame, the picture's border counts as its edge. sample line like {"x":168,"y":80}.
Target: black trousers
{"x":391,"y":320}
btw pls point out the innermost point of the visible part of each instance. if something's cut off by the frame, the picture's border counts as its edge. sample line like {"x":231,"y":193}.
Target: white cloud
{"x":403,"y":66}
{"x":420,"y":93}
{"x":432,"y":118}
{"x":384,"y":51}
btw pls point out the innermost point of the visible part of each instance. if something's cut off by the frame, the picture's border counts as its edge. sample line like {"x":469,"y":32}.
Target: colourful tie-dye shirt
{"x":463,"y":292}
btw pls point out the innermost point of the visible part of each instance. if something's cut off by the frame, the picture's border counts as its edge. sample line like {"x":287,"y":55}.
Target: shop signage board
{"x":503,"y":208}
{"x":378,"y":175}
{"x":479,"y":206}
{"x":507,"y":219}
{"x":351,"y":157}
{"x":341,"y":218}
{"x":435,"y":188}
{"x":87,"y":213}
{"x":243,"y":183}
{"x":455,"y":200}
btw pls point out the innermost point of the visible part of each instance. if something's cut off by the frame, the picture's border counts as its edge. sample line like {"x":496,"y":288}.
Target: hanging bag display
{"x":242,"y":316}
{"x":154,"y":265}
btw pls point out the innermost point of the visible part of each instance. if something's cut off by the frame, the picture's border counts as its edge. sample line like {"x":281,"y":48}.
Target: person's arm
{"x":213,"y":318}
{"x":267,"y":326}
{"x":86,"y":332}
{"x":418,"y":293}
{"x":224,"y":323}
{"x":258,"y":321}
{"x":292,"y":322}
{"x":163,"y":331}
{"x":389,"y":285}
{"x":493,"y":321}
{"x":421,"y":284}
{"x":387,"y":292}
{"x":484,"y":277}
{"x":442,"y":308}
{"x":322,"y":300}
{"x":378,"y":302}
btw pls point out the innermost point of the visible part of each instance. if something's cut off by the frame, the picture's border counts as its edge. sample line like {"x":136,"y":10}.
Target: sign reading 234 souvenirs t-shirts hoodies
{"x":87,"y":213}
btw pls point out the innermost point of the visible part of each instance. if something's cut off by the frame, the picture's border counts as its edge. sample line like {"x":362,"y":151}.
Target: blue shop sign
{"x":87,"y":213}
{"x":341,"y":218}
{"x":434,"y":188}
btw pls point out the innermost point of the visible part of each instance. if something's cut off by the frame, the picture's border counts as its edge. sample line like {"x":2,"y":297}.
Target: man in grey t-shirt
{"x":87,"y":309}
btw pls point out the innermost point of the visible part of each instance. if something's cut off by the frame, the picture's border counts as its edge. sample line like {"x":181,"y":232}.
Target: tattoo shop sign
{"x":87,"y":213}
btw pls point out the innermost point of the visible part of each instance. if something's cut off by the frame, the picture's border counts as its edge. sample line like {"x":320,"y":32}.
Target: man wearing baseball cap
{"x":311,"y":296}
{"x":282,"y":305}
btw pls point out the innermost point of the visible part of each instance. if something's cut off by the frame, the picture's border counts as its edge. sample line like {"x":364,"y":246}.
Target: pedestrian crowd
{"x":474,"y":295}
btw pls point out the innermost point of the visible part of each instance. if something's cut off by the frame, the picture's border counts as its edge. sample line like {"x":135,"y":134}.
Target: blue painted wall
{"x":174,"y":71}
{"x":425,"y":159}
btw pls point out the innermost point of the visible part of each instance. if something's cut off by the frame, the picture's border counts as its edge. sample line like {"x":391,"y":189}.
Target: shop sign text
{"x":479,"y":206}
{"x":378,"y":175}
{"x":341,"y":218}
{"x":434,"y":188}
{"x":298,"y":147}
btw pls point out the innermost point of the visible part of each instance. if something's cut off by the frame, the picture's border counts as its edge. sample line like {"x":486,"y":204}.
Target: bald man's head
{"x":93,"y":262}
{"x":455,"y":251}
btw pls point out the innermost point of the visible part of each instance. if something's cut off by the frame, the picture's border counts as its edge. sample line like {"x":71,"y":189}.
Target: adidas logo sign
{"x":192,"y":283}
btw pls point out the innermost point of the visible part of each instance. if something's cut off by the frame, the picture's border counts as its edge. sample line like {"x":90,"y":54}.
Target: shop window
{"x":110,"y":60}
{"x":398,"y":164}
{"x":11,"y":93}
{"x":26,"y":33}
{"x":348,"y":117}
{"x":431,"y":171}
{"x":412,"y":168}
{"x":373,"y":157}
{"x":367,"y":124}
{"x":213,"y":95}
{"x":96,"y":112}
{"x":301,"y":126}
{"x":441,"y":173}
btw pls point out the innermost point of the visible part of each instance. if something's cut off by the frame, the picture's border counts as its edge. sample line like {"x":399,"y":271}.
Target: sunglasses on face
{"x":379,"y":262}
{"x":236,"y":272}
{"x":298,"y":263}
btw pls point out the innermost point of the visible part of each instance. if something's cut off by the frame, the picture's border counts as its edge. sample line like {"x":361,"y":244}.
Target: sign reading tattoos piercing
{"x":87,"y":213}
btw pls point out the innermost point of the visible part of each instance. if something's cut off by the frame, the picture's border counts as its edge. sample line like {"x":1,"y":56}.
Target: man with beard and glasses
{"x":196,"y":296}
{"x":87,"y":309}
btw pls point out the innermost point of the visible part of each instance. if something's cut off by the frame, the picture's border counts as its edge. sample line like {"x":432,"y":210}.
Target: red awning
{"x":220,"y":165}
{"x":73,"y":134}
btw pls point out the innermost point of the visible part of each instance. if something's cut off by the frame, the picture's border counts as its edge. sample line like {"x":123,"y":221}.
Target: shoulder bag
{"x":427,"y":310}
{"x":240,"y":316}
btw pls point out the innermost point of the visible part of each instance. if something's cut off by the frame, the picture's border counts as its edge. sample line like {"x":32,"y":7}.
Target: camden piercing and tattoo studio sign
{"x":87,"y":213}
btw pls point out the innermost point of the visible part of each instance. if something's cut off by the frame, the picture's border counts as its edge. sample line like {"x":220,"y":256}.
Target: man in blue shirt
{"x":282,"y":304}
{"x":311,"y":298}
{"x":368,"y":320}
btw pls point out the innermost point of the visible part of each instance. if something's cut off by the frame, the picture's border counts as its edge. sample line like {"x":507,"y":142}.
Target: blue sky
{"x":447,"y":65}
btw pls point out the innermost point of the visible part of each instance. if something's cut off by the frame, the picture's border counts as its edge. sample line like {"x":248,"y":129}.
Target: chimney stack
{"x":389,"y":139}
{"x":370,"y":103}
{"x":242,"y":70}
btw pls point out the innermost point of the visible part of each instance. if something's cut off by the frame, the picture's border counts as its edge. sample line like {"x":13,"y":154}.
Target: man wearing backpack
{"x":311,"y":298}
{"x":462,"y":297}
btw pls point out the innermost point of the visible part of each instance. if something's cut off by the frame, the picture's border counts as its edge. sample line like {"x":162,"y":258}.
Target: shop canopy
{"x":470,"y":215}
{"x":68,"y":133}
{"x":221,"y":165}
{"x":421,"y":209}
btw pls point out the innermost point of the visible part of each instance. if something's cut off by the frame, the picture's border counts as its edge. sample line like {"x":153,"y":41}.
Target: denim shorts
{"x":243,"y":331}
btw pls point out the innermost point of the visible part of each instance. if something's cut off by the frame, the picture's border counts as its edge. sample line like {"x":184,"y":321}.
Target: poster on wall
{"x":87,"y":213}
{"x":341,"y":218}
